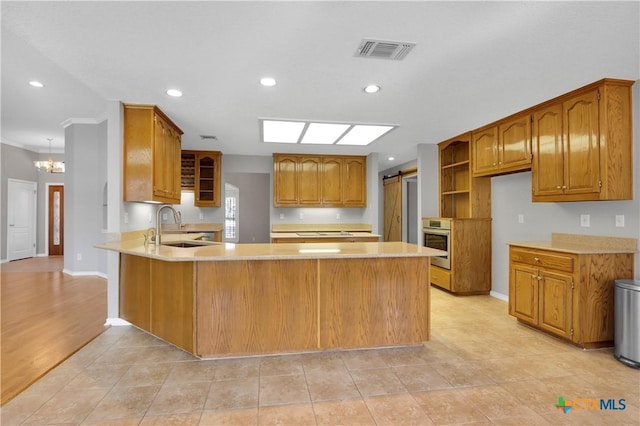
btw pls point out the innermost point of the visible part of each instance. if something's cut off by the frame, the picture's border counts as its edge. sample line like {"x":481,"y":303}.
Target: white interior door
{"x":21,"y":219}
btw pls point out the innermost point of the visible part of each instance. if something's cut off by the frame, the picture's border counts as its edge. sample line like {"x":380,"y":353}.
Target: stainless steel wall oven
{"x":437,"y":235}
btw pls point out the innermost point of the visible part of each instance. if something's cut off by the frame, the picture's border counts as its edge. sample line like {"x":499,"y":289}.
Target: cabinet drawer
{"x":543,"y":259}
{"x":441,"y":277}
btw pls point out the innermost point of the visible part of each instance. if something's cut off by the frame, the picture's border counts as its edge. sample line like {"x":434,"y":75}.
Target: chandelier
{"x":49,"y":166}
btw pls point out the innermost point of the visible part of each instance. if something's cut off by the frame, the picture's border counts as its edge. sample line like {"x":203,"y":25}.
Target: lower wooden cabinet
{"x":158,"y":297}
{"x":569,"y":295}
{"x":469,"y":256}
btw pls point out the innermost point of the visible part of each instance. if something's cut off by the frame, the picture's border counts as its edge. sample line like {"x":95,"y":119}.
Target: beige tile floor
{"x":480,"y":367}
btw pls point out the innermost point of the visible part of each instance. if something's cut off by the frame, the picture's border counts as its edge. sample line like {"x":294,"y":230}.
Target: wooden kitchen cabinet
{"x":502,"y":147}
{"x":309,"y":175}
{"x":319,"y":181}
{"x":151,"y":155}
{"x":354,"y":187}
{"x":469,"y":256}
{"x":332,"y":181}
{"x":582,"y":144}
{"x":569,"y":295}
{"x":207,"y":183}
{"x":542,"y":296}
{"x":157,"y":297}
{"x":201,"y":174}
{"x":461,"y":194}
{"x":135,"y":290}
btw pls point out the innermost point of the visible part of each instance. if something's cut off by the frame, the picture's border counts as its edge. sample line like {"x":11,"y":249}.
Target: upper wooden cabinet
{"x":354,"y":175}
{"x":301,"y":180}
{"x":151,"y":155}
{"x":461,"y":194}
{"x":201,"y":174}
{"x":582,"y":144}
{"x":503,"y":147}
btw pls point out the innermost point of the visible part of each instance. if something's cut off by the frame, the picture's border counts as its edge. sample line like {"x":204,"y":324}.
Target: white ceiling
{"x":474,"y":62}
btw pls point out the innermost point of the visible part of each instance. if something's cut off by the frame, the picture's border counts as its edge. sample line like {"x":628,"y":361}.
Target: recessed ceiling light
{"x":362,"y":134}
{"x":35,"y":83}
{"x":372,"y":88}
{"x":391,"y":158}
{"x":174,"y":92}
{"x":268,"y":81}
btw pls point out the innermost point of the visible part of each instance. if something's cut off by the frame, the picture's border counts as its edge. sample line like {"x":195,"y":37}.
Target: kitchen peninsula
{"x":246,"y":299}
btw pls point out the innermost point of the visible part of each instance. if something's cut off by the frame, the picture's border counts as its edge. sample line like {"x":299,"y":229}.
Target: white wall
{"x":85,"y":176}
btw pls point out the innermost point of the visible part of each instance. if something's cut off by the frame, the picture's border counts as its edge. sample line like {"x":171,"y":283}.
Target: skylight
{"x":281,"y":131}
{"x":323,"y":133}
{"x":363,"y":135}
{"x":303,"y":132}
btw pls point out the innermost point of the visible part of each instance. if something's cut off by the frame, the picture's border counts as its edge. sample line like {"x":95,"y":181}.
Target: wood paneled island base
{"x":260,"y":306}
{"x":253,"y":306}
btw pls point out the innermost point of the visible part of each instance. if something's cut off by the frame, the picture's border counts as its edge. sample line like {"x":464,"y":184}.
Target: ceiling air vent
{"x":394,"y":50}
{"x":209,"y":137}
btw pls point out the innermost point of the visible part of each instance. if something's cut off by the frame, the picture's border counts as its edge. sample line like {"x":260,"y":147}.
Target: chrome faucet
{"x":177,"y":216}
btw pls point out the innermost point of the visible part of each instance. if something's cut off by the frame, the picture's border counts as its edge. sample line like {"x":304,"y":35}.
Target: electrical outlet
{"x":281,"y":216}
{"x":126,"y":217}
{"x":165,"y":216}
{"x":79,"y":256}
{"x":620,"y":220}
{"x":337,"y":215}
{"x":201,"y":216}
{"x":520,"y":218}
{"x":301,"y":215}
{"x":585,"y":220}
{"x":150,"y":217}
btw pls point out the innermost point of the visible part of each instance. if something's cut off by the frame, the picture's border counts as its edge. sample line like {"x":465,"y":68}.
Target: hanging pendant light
{"x":49,"y":166}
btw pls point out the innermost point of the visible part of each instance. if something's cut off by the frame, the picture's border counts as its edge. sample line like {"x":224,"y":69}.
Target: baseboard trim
{"x":117,"y":322}
{"x":85,"y":273}
{"x":499,"y":295}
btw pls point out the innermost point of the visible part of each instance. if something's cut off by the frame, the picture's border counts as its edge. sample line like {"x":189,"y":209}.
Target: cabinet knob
{"x":536,"y":259}
{"x":558,"y":187}
{"x":564,"y":186}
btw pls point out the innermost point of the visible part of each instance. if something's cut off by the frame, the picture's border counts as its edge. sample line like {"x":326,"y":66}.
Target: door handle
{"x":11,"y":224}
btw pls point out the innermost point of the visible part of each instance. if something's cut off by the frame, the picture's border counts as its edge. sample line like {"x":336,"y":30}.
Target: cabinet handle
{"x":564,"y":186}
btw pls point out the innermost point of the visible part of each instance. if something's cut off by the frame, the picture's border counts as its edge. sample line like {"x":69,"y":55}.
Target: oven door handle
{"x":445,"y":232}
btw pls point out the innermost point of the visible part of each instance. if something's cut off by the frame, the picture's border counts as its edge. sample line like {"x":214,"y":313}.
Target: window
{"x":232,"y":195}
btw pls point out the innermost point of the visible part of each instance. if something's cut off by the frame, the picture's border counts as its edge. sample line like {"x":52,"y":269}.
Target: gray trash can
{"x":627,"y":322}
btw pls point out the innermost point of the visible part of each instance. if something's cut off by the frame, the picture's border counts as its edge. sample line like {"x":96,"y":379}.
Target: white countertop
{"x":582,"y":244}
{"x":230,"y":252}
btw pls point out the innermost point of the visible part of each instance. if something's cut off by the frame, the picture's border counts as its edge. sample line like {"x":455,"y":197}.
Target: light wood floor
{"x":46,"y":316}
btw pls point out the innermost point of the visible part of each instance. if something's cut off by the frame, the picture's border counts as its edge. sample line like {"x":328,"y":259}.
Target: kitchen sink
{"x":189,"y":243}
